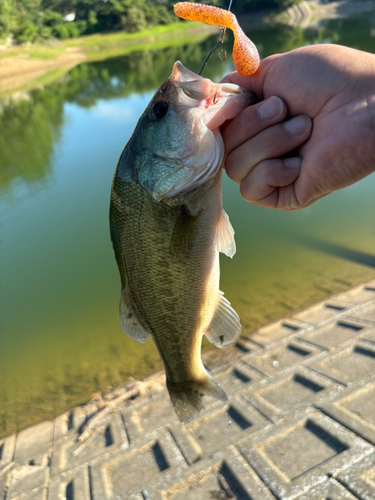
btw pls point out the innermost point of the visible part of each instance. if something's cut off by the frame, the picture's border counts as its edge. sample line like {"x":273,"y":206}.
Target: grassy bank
{"x":28,"y":66}
{"x":99,"y":47}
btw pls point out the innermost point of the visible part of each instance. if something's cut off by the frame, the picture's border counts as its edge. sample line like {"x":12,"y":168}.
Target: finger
{"x":272,"y":142}
{"x":256,"y":81}
{"x":271,"y":184}
{"x":237,"y":79}
{"x":253,"y":82}
{"x":253,"y":120}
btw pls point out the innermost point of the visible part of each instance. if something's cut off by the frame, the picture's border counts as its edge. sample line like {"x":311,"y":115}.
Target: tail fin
{"x":187,"y":397}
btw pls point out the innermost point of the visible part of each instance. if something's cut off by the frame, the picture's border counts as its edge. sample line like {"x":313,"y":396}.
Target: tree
{"x":134,"y":19}
{"x":5,"y":18}
{"x":26,"y":19}
{"x":29,"y":20}
{"x":61,"y":6}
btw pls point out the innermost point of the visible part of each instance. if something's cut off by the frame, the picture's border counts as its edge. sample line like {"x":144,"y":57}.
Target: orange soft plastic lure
{"x":245,"y":54}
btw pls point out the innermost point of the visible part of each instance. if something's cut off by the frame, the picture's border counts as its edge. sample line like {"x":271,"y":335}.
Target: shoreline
{"x":25,"y":67}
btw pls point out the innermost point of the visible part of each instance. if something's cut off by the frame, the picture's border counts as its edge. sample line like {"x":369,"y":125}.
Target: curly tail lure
{"x":245,"y":54}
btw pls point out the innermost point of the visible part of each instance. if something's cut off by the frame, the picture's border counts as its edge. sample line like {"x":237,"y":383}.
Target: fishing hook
{"x":220,"y":42}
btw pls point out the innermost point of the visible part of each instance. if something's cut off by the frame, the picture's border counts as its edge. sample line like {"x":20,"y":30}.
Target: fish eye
{"x":159,"y":109}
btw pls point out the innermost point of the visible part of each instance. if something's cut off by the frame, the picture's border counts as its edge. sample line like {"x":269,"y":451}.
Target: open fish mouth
{"x":214,"y":102}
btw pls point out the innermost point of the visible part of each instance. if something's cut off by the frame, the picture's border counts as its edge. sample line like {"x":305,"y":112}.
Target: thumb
{"x":254,"y":82}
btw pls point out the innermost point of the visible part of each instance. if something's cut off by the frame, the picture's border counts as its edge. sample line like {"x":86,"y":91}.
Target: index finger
{"x":254,"y":82}
{"x":236,"y":78}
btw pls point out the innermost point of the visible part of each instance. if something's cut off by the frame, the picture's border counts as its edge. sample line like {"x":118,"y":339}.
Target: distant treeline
{"x":33,"y":20}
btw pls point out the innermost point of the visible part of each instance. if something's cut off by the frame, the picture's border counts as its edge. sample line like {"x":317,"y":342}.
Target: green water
{"x":60,"y":338}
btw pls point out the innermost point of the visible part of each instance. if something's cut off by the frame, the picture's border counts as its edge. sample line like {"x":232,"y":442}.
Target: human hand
{"x":329,"y":93}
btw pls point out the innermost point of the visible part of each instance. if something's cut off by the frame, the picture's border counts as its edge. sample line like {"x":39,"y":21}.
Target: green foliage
{"x":92,"y":20}
{"x":134,"y":20}
{"x":30,"y":20}
{"x":62,"y":31}
{"x":63,"y":7}
{"x":45,"y":32}
{"x":51,"y":18}
{"x":26,"y":32}
{"x":54,"y":24}
{"x":5,"y":18}
{"x":26,"y":20}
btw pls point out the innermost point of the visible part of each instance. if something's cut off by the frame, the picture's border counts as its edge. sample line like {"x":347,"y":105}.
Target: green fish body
{"x":167,"y":228}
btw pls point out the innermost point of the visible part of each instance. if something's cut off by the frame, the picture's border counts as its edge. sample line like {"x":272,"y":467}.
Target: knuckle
{"x":245,"y":191}
{"x":232,"y":168}
{"x":267,"y":167}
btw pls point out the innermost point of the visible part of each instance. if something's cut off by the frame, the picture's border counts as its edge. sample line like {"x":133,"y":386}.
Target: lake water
{"x":60,"y":338}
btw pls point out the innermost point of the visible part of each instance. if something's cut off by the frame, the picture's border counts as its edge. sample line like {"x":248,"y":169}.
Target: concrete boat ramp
{"x":299,"y":423}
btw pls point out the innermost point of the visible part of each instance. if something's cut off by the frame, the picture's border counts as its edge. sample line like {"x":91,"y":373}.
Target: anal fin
{"x":129,"y":323}
{"x":225,"y":235}
{"x":225,"y":326}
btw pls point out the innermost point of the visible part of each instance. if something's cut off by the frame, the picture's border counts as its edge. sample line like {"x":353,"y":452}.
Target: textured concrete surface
{"x":299,"y":423}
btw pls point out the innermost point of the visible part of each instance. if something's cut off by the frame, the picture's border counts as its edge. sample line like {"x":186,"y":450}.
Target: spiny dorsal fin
{"x":129,"y":323}
{"x":225,"y":326}
{"x":225,"y":235}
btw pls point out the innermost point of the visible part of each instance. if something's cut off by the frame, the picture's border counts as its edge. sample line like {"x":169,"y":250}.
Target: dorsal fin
{"x":225,"y":326}
{"x":129,"y":323}
{"x":225,"y":235}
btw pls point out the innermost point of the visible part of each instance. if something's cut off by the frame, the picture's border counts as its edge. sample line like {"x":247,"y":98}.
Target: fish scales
{"x":166,"y":290}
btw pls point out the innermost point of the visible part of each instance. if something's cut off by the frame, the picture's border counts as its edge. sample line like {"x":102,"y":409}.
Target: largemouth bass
{"x":167,"y":229}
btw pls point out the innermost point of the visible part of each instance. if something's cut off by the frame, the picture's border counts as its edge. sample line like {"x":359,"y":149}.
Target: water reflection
{"x":60,"y":338}
{"x":29,"y":127}
{"x":27,"y":131}
{"x":357,"y":32}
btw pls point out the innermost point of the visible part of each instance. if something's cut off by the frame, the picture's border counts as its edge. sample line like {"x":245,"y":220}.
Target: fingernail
{"x":271,"y":108}
{"x":294,"y":162}
{"x":298,"y":125}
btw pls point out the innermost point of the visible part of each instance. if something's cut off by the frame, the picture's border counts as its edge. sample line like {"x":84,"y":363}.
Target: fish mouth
{"x":185,"y":79}
{"x":214,"y":102}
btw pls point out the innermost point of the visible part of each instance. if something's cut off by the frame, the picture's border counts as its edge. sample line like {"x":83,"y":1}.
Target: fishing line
{"x":222,"y":53}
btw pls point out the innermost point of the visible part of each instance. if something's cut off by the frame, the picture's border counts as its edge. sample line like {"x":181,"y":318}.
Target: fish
{"x":167,"y":227}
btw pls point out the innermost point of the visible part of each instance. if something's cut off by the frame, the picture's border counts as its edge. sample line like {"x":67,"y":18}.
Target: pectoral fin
{"x":225,"y":235}
{"x":225,"y":326}
{"x":129,"y":323}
